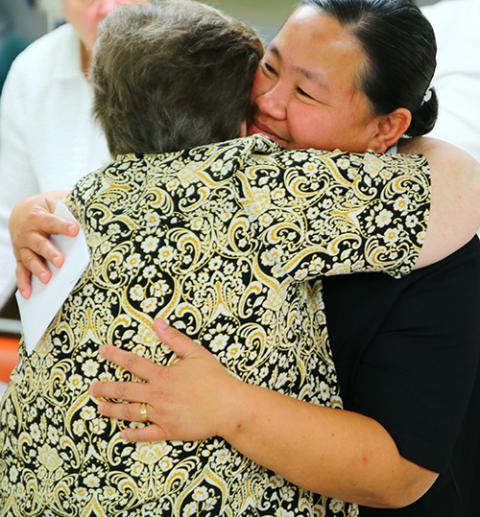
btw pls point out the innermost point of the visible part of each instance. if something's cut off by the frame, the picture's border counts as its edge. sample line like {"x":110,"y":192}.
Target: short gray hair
{"x":172,"y":76}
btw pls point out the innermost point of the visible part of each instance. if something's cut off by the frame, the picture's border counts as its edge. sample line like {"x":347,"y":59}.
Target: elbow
{"x":395,"y":500}
{"x":403,"y":492}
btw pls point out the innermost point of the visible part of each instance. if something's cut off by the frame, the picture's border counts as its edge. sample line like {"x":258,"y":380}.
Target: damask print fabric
{"x":222,"y":241}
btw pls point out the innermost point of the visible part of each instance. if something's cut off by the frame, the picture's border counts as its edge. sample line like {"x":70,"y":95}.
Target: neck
{"x":85,"y":59}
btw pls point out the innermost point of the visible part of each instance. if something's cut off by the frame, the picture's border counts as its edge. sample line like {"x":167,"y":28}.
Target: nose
{"x":273,"y":102}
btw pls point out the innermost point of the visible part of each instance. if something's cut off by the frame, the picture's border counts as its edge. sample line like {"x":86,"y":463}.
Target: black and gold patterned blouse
{"x":222,"y":241}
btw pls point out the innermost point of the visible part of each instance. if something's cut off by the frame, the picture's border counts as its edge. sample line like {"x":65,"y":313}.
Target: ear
{"x":389,"y":129}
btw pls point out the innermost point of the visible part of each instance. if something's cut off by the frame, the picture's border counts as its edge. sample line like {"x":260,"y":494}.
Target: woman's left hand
{"x":186,"y":401}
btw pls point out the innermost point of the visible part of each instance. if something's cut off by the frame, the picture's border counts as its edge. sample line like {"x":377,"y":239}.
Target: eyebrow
{"x":308,"y":74}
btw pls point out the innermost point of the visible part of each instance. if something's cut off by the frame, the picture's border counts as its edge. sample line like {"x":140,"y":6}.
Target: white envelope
{"x":39,"y":310}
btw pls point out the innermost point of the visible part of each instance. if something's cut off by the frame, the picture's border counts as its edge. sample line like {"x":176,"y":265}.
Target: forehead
{"x":314,"y":43}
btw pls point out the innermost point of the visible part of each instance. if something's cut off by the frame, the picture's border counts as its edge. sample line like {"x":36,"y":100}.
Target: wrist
{"x":233,"y":409}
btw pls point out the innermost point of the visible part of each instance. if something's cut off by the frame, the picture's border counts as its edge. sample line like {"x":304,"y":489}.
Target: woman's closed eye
{"x":303,"y":93}
{"x":268,"y":68}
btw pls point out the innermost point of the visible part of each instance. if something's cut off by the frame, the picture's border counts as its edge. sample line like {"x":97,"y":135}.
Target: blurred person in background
{"x":48,"y":138}
{"x":457,"y":78}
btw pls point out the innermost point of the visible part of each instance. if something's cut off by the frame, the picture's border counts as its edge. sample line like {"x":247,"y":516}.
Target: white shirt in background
{"x":457,"y":79}
{"x":48,"y":138}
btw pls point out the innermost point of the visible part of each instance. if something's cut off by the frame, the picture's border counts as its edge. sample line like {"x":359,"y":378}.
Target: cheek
{"x":261,"y":84}
{"x":84,"y":23}
{"x":307,"y":127}
{"x":327,"y":128}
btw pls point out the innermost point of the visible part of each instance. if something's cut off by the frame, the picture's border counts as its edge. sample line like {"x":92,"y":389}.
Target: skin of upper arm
{"x":455,"y":209}
{"x":449,"y":161}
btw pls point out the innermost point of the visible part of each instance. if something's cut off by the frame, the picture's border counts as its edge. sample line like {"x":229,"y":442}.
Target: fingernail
{"x":103,"y":349}
{"x":44,"y":278}
{"x":71,"y":228}
{"x":57,"y":261}
{"x":162,"y":324}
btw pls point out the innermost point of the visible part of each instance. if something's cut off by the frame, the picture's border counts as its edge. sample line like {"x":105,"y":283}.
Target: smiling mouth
{"x":258,"y":128}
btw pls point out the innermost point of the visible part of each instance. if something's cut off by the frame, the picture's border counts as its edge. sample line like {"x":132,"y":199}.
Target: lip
{"x":259,"y":128}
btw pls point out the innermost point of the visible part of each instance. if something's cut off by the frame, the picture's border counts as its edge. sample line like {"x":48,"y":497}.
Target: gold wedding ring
{"x":143,"y":413}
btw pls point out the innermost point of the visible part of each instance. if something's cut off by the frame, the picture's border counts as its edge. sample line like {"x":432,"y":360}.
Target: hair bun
{"x":423,"y":119}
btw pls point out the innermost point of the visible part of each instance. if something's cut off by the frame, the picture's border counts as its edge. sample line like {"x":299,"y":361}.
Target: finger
{"x":128,"y":391}
{"x":151,"y":433}
{"x":130,"y":412}
{"x":139,"y":366}
{"x":24,"y":280}
{"x":181,"y":344}
{"x":42,"y":246}
{"x":33,"y":263}
{"x":51,"y":224}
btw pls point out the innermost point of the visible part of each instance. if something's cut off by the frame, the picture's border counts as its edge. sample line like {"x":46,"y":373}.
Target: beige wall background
{"x":265,"y":15}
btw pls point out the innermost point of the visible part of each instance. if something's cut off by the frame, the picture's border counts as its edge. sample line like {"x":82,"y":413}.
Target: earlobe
{"x":390,"y":128}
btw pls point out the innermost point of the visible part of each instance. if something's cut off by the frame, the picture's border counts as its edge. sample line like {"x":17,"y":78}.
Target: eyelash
{"x":269,"y":68}
{"x":305,"y":94}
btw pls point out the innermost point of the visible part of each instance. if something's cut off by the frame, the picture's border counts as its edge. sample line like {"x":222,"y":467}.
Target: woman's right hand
{"x":31,"y":223}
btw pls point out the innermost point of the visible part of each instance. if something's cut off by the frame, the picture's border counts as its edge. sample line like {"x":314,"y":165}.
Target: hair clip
{"x":428,"y":95}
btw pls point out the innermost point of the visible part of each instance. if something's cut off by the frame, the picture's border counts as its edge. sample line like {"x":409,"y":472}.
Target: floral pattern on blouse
{"x":223,"y":241}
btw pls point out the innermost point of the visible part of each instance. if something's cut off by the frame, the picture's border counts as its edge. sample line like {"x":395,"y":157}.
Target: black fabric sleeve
{"x":416,"y":375}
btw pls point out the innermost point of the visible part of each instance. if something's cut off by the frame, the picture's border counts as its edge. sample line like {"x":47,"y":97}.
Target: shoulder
{"x":40,"y":59}
{"x":48,"y":43}
{"x":446,"y":158}
{"x":431,"y":148}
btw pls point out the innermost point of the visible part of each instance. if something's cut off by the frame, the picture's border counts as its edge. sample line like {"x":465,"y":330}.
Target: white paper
{"x":39,"y":310}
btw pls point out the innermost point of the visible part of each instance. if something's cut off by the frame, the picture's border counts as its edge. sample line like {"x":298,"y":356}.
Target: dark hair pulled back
{"x":401,"y":50}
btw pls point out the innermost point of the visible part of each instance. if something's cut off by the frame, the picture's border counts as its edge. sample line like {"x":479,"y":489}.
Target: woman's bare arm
{"x":334,"y":452}
{"x":455,"y":207}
